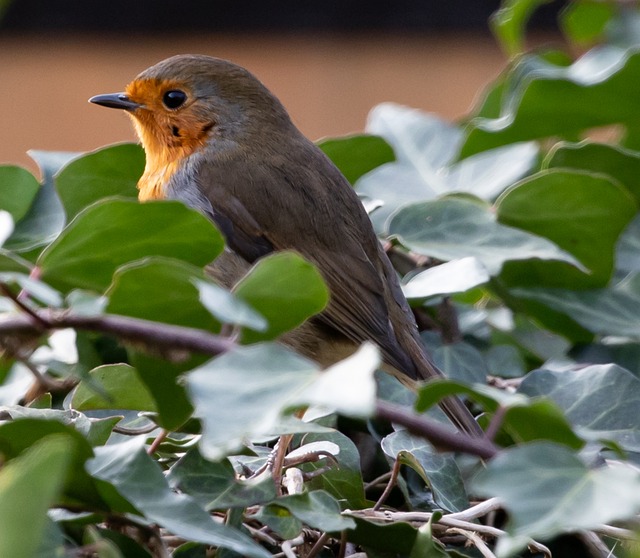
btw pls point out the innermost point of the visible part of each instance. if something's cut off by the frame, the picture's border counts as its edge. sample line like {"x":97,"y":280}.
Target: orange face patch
{"x":168,"y":135}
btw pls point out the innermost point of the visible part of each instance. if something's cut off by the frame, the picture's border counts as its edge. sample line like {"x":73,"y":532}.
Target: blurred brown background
{"x":327,"y":83}
{"x":329,"y":62}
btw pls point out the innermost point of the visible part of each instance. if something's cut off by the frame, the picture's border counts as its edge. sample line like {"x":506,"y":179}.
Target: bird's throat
{"x":164,"y":156}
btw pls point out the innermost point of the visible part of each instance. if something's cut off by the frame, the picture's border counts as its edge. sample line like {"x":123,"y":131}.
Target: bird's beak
{"x":115,"y":100}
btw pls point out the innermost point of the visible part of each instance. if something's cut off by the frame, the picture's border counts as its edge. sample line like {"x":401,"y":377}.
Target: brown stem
{"x":129,"y":329}
{"x":439,"y":435}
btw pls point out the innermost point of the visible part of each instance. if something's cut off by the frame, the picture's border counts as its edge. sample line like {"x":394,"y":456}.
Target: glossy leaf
{"x":562,"y":496}
{"x":599,"y":401}
{"x":29,"y":485}
{"x":344,"y":481}
{"x":112,"y":386}
{"x":509,"y":22}
{"x":581,"y":213}
{"x":242,"y":393}
{"x":456,"y":276}
{"x":452,"y":228}
{"x":18,"y":189}
{"x":43,"y":221}
{"x":111,"y":233}
{"x":160,"y":289}
{"x":214,"y":485}
{"x":613,"y":161}
{"x":317,"y":509}
{"x":357,"y":154}
{"x":603,"y":311}
{"x":285,"y":289}
{"x":109,"y":171}
{"x":136,"y":477}
{"x":439,"y":471}
{"x":546,"y":99}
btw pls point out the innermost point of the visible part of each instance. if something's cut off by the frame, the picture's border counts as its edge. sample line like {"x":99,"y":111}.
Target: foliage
{"x":518,"y":236}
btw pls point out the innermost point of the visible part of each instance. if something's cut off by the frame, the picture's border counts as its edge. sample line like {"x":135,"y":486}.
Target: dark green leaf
{"x":215,"y":486}
{"x":29,"y":485}
{"x":397,"y":538}
{"x":18,"y":189}
{"x":546,"y":99}
{"x":19,"y":435}
{"x":439,"y":471}
{"x":602,"y":311}
{"x":318,"y":509}
{"x":357,"y":154}
{"x":111,"y":233}
{"x":128,"y":468}
{"x":109,"y":171}
{"x":614,"y":161}
{"x":343,"y":482}
{"x":461,"y":361}
{"x":280,"y":520}
{"x":285,"y":289}
{"x":562,"y":496}
{"x":600,"y":401}
{"x":112,"y":386}
{"x":162,"y":290}
{"x":454,"y":228}
{"x":43,"y":221}
{"x":581,"y":213}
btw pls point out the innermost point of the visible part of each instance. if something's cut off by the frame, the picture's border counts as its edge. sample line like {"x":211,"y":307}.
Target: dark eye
{"x":174,"y":98}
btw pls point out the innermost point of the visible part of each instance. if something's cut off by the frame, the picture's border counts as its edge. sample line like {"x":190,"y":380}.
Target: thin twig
{"x":496,"y":422}
{"x":384,"y":478}
{"x":129,"y":329}
{"x":476,"y":540}
{"x":479,"y":510}
{"x":316,"y":548}
{"x":616,"y":532}
{"x":395,"y":471}
{"x":18,"y":301}
{"x":438,"y":434}
{"x":287,"y":546}
{"x":43,"y":381}
{"x":158,"y":440}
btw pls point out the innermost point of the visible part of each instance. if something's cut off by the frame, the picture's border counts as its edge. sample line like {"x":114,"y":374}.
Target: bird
{"x":218,"y":140}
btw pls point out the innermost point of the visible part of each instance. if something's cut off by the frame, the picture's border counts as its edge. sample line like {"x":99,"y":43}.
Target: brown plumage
{"x":218,"y":140}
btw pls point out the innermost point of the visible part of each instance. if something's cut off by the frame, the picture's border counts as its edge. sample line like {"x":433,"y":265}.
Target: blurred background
{"x":329,"y":62}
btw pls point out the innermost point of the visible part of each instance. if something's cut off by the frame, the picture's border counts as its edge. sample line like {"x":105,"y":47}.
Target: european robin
{"x":216,"y":138}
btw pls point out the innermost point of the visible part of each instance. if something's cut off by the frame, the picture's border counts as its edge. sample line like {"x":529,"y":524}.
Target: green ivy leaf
{"x":285,"y":289}
{"x":581,"y":213}
{"x":112,"y":386}
{"x":214,"y":484}
{"x":111,"y":233}
{"x":136,"y":477}
{"x":357,"y":154}
{"x":265,"y":379}
{"x":509,"y":22}
{"x":599,"y":401}
{"x":453,"y":228}
{"x":29,"y":485}
{"x":18,"y":189}
{"x":110,"y":171}
{"x":439,"y":471}
{"x":562,"y":496}
{"x":318,"y":509}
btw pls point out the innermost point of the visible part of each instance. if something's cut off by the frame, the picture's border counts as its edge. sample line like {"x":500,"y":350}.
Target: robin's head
{"x":188,"y":102}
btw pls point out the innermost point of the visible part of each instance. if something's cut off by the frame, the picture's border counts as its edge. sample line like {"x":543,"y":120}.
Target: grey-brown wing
{"x":310,"y":208}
